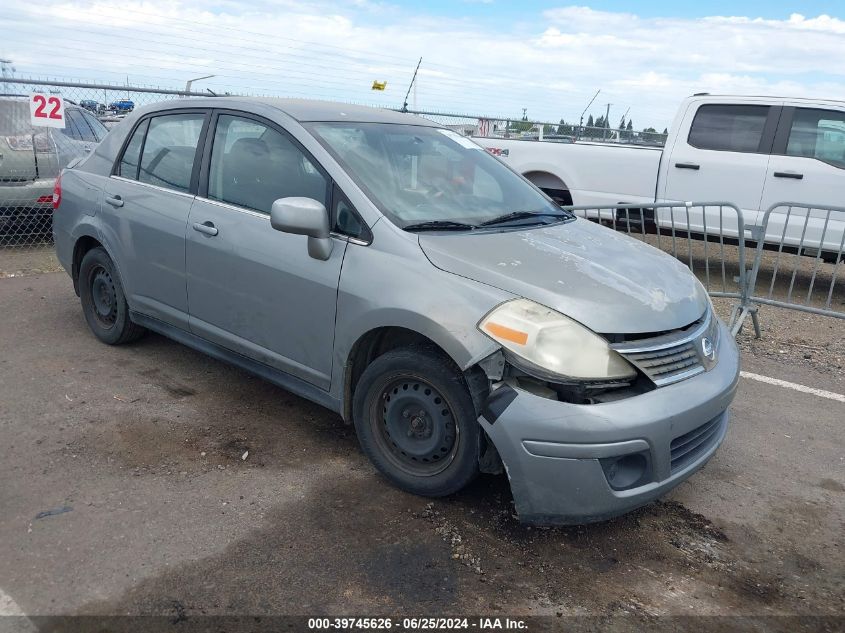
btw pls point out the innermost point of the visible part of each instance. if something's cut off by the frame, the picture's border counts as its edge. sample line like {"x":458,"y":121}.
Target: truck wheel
{"x":561,"y":197}
{"x":415,"y":420}
{"x":829,"y":257}
{"x":103,"y":301}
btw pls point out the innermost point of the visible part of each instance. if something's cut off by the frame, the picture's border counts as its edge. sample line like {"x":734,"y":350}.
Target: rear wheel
{"x":103,"y":301}
{"x":416,"y":422}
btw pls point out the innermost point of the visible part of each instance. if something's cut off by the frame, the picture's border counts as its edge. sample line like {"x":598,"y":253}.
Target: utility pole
{"x":581,"y":124}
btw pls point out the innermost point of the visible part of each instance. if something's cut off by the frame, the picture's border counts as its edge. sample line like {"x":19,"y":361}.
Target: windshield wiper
{"x":522,"y":215}
{"x":439,"y":225}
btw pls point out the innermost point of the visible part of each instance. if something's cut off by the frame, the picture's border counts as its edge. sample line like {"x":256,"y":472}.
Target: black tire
{"x":103,"y":301}
{"x":416,"y":422}
{"x":829,"y":257}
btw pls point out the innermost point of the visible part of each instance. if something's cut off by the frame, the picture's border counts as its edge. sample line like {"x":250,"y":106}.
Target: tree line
{"x":625,"y":129}
{"x":593,"y":128}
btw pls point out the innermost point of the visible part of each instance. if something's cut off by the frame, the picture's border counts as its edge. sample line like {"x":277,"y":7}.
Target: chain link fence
{"x":32,"y":156}
{"x":518,"y":128}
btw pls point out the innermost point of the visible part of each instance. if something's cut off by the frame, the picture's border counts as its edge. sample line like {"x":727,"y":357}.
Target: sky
{"x":479,"y":57}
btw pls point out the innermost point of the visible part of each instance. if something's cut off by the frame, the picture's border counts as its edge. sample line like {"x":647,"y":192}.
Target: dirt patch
{"x":199,"y":428}
{"x":26,"y":261}
{"x":168,"y":383}
{"x":644,"y":562}
{"x":799,"y":339}
{"x":832,"y":485}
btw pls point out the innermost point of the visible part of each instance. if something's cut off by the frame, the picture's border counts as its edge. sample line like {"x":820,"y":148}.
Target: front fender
{"x":381,"y":288}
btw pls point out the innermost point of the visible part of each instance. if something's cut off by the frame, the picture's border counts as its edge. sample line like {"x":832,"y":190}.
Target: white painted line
{"x":8,"y":606}
{"x":821,"y":393}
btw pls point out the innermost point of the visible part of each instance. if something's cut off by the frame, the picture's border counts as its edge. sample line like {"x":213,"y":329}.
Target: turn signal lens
{"x":504,"y":332}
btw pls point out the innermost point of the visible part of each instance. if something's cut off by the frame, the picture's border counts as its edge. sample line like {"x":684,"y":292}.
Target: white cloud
{"x":549,"y":63}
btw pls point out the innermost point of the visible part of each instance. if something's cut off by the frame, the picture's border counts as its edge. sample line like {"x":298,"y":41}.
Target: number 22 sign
{"x":46,"y":110}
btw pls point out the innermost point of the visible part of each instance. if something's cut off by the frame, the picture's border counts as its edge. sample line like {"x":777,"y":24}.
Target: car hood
{"x":609,"y":282}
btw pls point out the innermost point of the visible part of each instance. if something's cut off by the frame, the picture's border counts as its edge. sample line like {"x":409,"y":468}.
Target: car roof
{"x":303,"y":110}
{"x":807,"y":100}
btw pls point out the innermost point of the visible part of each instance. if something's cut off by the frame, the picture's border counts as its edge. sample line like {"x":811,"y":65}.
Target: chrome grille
{"x":686,"y":448}
{"x":668,"y":365}
{"x":671,"y":357}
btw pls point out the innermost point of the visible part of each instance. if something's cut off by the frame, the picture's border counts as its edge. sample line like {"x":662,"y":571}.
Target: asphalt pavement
{"x":151,"y":479}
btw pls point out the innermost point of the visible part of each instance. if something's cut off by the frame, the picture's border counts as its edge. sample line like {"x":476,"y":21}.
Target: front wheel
{"x":103,"y":301}
{"x":415,"y":420}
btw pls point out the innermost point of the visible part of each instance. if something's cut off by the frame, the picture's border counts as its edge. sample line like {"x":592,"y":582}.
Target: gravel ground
{"x":28,"y":260}
{"x":136,"y":454}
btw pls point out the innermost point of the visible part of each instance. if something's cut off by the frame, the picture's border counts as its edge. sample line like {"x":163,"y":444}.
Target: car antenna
{"x":213,"y":94}
{"x":411,"y":85}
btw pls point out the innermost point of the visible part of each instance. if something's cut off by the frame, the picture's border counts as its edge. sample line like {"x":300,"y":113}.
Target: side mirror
{"x":304,"y":216}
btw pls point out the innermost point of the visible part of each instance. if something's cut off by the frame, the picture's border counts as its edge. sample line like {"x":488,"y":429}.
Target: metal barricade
{"x":709,"y":237}
{"x":804,"y":245}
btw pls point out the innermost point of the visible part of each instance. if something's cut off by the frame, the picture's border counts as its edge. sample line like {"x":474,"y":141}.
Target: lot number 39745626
{"x":46,"y":110}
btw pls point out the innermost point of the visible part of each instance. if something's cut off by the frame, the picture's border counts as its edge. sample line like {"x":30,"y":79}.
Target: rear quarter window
{"x":97,"y":128}
{"x":128,"y":165}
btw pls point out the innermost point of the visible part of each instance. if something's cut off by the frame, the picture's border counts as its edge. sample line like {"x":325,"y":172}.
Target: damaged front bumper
{"x":571,"y":464}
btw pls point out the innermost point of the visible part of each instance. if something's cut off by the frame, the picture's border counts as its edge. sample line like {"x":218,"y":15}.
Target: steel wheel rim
{"x":103,"y":297}
{"x":415,"y":426}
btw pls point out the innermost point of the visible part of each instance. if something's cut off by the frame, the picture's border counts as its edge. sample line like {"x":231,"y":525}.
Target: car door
{"x":720,"y":154}
{"x":145,"y":211}
{"x":807,"y":166}
{"x":253,"y":289}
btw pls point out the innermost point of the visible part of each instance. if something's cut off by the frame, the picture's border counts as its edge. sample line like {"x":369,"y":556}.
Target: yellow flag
{"x":379,"y":85}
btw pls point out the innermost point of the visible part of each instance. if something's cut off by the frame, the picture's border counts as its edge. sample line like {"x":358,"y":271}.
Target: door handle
{"x":788,"y":174}
{"x":688,"y":166}
{"x":206,"y":228}
{"x":115,"y":201}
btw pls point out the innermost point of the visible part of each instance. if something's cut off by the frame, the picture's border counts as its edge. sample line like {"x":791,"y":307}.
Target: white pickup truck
{"x":751,"y":151}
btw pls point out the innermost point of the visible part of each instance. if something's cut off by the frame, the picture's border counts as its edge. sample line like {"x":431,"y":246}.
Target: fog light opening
{"x":627,"y":471}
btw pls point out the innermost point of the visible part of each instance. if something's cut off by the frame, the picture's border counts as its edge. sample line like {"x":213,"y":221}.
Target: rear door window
{"x":169,"y":150}
{"x":729,"y":128}
{"x":819,"y":134}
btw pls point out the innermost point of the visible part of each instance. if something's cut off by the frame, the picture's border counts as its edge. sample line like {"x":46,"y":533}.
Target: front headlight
{"x":556,"y":345}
